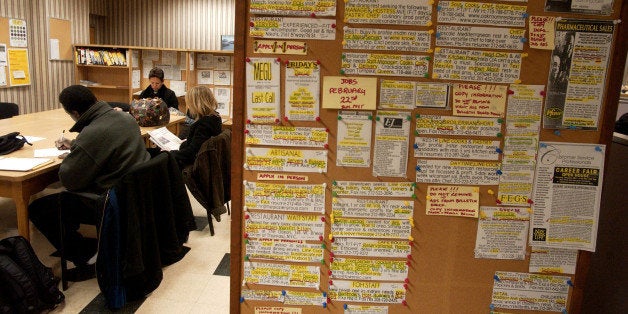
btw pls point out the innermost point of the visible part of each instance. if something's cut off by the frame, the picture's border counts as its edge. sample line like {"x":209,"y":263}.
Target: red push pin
{"x":323,"y":219}
{"x":331,"y":254}
{"x":246,"y":131}
{"x":251,"y":24}
{"x":313,"y":14}
{"x":328,"y":300}
{"x":287,"y":62}
{"x":279,"y":60}
{"x":329,"y":272}
{"x":331,"y":259}
{"x":320,"y":238}
{"x":409,"y":256}
{"x":318,"y":119}
{"x":498,"y":201}
{"x":285,"y":118}
{"x":408,"y":263}
{"x":542,"y":93}
{"x":248,"y":121}
{"x":410,"y":243}
{"x":404,"y":302}
{"x":326,"y":146}
{"x":530,"y":202}
{"x":406,"y":280}
{"x":318,"y":62}
{"x":247,"y":216}
{"x":333,"y":25}
{"x":327,"y":130}
{"x":246,"y":235}
{"x":277,"y":120}
{"x":247,"y":59}
{"x":405,"y":286}
{"x":510,"y":92}
{"x":331,"y":282}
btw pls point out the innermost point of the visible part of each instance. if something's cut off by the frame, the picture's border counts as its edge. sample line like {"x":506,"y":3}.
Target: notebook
{"x":22,"y":164}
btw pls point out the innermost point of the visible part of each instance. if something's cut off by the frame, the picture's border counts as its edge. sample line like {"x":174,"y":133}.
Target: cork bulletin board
{"x":61,"y":33}
{"x":16,"y":53}
{"x":437,"y":265}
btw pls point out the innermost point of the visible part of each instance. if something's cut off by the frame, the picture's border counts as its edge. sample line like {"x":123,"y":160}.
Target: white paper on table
{"x":33,"y":139}
{"x":50,"y":152}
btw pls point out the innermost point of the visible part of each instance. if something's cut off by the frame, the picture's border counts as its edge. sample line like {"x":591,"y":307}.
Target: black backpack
{"x":11,"y":142}
{"x":28,"y":285}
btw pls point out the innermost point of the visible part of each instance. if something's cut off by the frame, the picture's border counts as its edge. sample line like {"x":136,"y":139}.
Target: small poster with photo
{"x":205,"y":77}
{"x":226,"y":42}
{"x":222,"y":77}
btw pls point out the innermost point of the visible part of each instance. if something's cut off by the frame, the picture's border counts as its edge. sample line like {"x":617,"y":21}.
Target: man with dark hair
{"x":109,"y":143}
{"x":158,"y":89}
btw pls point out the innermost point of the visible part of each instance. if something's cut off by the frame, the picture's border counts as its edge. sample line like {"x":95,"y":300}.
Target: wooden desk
{"x":20,"y":186}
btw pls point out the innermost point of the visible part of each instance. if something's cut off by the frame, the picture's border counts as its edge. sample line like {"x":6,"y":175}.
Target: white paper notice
{"x":284,"y":197}
{"x":409,"y":94}
{"x":530,"y":291}
{"x":54,"y":49}
{"x":480,"y":37}
{"x":372,"y":208}
{"x":502,"y":233}
{"x":385,"y":64}
{"x":285,"y":160}
{"x":205,"y":77}
{"x":476,"y":65}
{"x":367,"y":291}
{"x":293,"y":28}
{"x":302,"y":90}
{"x":386,"y":39}
{"x":293,"y":8}
{"x":553,"y":260}
{"x":390,"y":154}
{"x":397,"y":12}
{"x":284,"y":250}
{"x":292,"y":136}
{"x":381,"y":189}
{"x":463,"y":172}
{"x":371,"y":248}
{"x":462,"y":201}
{"x":463,"y":12}
{"x":262,"y":90}
{"x":446,"y":125}
{"x":456,"y":148}
{"x":371,"y":228}
{"x":282,"y":275}
{"x":566,"y":195}
{"x":369,"y":269}
{"x":354,"y":139}
{"x":284,"y":227}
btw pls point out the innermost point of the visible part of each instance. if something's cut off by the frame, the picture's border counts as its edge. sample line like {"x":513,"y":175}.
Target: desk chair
{"x":209,"y":178}
{"x":8,"y":110}
{"x":146,"y":219}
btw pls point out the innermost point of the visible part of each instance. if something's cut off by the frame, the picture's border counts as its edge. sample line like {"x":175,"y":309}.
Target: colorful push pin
{"x":417,"y":116}
{"x":438,"y":8}
{"x":321,"y":238}
{"x":496,"y":278}
{"x":410,"y":238}
{"x":312,"y":14}
{"x":407,"y":280}
{"x":500,"y":120}
{"x":417,"y":168}
{"x":324,"y":304}
{"x":569,"y":282}
{"x":498,"y":201}
{"x":490,"y":192}
{"x":499,"y":172}
{"x":415,"y":145}
{"x":510,"y":92}
{"x":525,"y":15}
{"x":564,"y":311}
{"x":498,"y":150}
{"x":524,"y":55}
{"x":405,"y":286}
{"x":492,"y":306}
{"x":530,"y":201}
{"x":437,"y":35}
{"x":500,"y":134}
{"x":246,"y":235}
{"x":323,"y":219}
{"x":323,"y":246}
{"x":318,"y":119}
{"x":246,"y":241}
{"x":413,"y":185}
{"x":277,"y":120}
{"x":416,"y":132}
{"x":435,"y":75}
{"x":326,"y":130}
{"x":246,"y":257}
{"x":241,"y":299}
{"x":247,"y":131}
{"x":409,"y":256}
{"x":345,"y":306}
{"x":248,"y":121}
{"x":252,"y":24}
{"x":331,"y":237}
{"x":329,"y":273}
{"x":517,"y":81}
{"x":414,"y":196}
{"x":557,"y":132}
{"x":334,"y":25}
{"x":324,"y":294}
{"x":409,"y":118}
{"x":377,"y":119}
{"x":598,"y":148}
{"x":542,"y":93}
{"x":426,"y":75}
{"x":428,"y":24}
{"x":523,"y":40}
{"x":328,"y":300}
{"x":247,"y":216}
{"x":370,"y":117}
{"x":326,"y":146}
{"x":543,"y":145}
{"x":339,"y":118}
{"x":410,"y":243}
{"x":404,"y":302}
{"x":331,"y":282}
{"x":572,"y":127}
{"x":334,"y":194}
{"x":322,"y":261}
{"x":342,"y":72}
{"x":431,"y":31}
{"x":411,"y":221}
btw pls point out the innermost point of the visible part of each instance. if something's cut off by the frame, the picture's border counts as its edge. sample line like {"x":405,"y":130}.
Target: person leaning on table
{"x":108,"y":144}
{"x":158,"y":89}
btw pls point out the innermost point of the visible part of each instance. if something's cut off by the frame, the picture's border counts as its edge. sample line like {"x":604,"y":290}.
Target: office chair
{"x":146,"y":218}
{"x":8,"y":110}
{"x":209,"y":178}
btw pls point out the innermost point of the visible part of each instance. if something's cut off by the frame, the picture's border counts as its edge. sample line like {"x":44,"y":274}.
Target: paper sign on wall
{"x":357,"y":93}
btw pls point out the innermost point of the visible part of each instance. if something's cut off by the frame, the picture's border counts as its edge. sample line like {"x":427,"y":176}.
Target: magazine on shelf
{"x":165,"y":139}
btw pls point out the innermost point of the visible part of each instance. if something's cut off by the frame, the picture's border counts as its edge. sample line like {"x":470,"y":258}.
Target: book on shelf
{"x":23,"y":164}
{"x":165,"y":139}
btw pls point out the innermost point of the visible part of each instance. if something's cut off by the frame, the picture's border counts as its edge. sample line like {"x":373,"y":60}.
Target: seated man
{"x":108,"y":144}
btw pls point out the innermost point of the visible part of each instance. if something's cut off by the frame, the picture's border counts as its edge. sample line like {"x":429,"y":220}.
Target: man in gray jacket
{"x":109,"y":143}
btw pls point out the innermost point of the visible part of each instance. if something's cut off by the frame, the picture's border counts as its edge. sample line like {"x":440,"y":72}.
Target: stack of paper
{"x":22,"y":164}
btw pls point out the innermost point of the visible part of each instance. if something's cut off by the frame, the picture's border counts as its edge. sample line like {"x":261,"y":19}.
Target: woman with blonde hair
{"x":202,"y":106}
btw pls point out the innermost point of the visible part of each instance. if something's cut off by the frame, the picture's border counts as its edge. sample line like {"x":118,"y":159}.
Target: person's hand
{"x":63,"y":144}
{"x":117,"y":109}
{"x":63,"y":155}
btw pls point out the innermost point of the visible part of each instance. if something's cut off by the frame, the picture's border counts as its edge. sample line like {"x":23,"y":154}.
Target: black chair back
{"x":8,"y":110}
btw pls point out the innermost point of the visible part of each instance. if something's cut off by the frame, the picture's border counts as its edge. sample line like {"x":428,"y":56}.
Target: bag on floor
{"x":28,"y":285}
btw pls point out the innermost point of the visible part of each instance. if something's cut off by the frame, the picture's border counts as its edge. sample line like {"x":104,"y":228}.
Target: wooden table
{"x":20,"y":185}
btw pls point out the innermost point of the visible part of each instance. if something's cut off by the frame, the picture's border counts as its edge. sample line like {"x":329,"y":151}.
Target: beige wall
{"x":181,"y":24}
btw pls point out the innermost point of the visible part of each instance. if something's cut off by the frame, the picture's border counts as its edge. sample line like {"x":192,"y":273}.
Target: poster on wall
{"x":578,"y":68}
{"x":566,"y":195}
{"x":598,"y":7}
{"x":262,"y":90}
{"x":19,"y":73}
{"x":17,"y":33}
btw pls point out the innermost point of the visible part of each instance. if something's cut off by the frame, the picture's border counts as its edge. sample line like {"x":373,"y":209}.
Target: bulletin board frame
{"x":61,"y":30}
{"x":5,"y":39}
{"x":445,"y":277}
